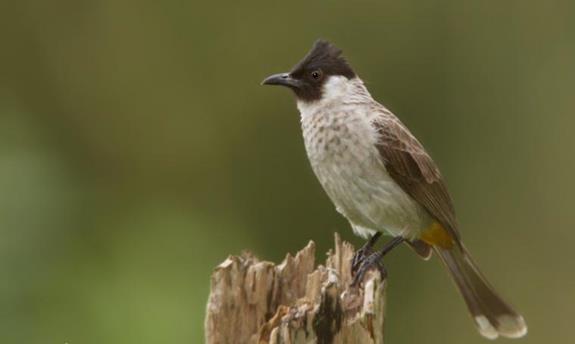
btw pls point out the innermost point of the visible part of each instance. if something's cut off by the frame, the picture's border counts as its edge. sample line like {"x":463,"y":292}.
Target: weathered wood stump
{"x":253,"y":301}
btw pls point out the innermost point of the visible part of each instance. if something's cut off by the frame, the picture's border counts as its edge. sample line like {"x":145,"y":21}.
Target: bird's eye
{"x":316,"y":74}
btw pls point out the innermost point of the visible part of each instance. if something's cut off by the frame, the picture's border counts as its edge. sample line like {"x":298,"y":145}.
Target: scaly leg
{"x":374,"y":260}
{"x":365,"y":251}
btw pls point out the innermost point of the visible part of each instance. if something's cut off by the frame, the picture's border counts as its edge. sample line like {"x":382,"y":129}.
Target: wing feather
{"x":412,"y":168}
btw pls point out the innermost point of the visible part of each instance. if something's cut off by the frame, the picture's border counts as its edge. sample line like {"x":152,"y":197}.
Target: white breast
{"x":341,"y":145}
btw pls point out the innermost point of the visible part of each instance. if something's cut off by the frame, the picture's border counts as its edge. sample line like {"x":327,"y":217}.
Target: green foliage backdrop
{"x":137,"y":150}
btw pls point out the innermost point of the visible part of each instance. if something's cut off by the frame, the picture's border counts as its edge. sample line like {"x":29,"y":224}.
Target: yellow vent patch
{"x":436,"y":235}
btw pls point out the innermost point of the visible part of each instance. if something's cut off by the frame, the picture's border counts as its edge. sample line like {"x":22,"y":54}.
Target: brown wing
{"x":412,"y":168}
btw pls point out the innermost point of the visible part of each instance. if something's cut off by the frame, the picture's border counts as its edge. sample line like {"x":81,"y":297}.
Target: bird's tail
{"x":492,"y":315}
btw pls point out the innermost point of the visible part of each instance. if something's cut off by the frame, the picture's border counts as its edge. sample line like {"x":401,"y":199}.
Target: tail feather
{"x":492,"y":315}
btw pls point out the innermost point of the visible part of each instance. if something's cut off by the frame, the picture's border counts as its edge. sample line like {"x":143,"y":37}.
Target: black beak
{"x":283,"y":79}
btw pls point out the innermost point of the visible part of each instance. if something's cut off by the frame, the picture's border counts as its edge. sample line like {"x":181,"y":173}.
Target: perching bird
{"x":381,"y":179}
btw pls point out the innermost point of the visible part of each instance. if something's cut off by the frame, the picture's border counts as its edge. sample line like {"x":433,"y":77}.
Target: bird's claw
{"x":365,"y":258}
{"x":359,"y":258}
{"x":364,"y":265}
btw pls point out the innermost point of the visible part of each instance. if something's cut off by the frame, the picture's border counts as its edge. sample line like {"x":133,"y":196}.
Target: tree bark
{"x":253,"y":301}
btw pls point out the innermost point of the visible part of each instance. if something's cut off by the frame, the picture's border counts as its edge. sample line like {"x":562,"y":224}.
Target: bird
{"x":382,"y":180}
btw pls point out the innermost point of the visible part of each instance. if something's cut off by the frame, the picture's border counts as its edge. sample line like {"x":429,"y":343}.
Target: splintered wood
{"x":253,"y":301}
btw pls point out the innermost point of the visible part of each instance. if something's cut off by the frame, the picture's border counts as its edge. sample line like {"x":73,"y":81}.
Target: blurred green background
{"x":138,"y":150}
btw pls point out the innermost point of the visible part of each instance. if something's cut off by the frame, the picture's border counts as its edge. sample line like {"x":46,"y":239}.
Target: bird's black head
{"x":307,"y":78}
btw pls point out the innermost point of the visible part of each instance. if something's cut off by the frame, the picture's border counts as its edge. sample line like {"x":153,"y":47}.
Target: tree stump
{"x":253,"y":301}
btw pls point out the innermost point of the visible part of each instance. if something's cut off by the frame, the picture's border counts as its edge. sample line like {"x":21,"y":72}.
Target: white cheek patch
{"x":334,"y":88}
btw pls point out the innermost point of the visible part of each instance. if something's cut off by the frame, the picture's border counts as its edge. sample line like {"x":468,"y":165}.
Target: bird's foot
{"x":371,"y":261}
{"x":365,"y":251}
{"x":363,"y":264}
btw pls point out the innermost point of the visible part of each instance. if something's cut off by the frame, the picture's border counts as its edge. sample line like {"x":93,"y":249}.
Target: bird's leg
{"x":365,"y":251}
{"x":374,"y":259}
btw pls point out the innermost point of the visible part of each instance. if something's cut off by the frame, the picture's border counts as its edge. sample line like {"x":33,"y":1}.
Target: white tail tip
{"x":508,"y":326}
